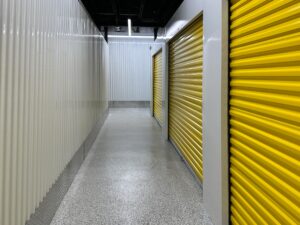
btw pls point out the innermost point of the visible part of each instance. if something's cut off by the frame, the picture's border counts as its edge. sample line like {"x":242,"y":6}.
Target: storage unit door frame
{"x":185,"y":93}
{"x":265,"y":112}
{"x":157,"y":86}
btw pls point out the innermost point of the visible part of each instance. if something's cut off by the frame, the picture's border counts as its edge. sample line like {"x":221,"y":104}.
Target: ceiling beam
{"x":110,"y":12}
{"x":142,"y":6}
{"x":115,"y":7}
{"x":113,"y":14}
{"x":103,"y":22}
{"x":164,"y":17}
{"x":158,"y":15}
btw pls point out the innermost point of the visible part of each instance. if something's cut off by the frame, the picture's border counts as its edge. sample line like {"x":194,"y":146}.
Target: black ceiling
{"x":144,"y":13}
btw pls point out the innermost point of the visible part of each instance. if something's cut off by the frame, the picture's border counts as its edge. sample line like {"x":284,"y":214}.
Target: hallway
{"x":132,"y":177}
{"x":221,"y":80}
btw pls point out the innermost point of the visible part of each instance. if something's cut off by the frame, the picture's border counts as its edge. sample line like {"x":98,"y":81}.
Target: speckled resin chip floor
{"x":132,"y":177}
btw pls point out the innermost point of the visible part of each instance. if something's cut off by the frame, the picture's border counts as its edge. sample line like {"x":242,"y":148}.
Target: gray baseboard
{"x":48,"y":207}
{"x":129,"y":104}
{"x":199,"y":182}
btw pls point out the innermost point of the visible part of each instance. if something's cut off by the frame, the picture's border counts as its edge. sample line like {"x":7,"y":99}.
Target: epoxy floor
{"x":132,"y":177}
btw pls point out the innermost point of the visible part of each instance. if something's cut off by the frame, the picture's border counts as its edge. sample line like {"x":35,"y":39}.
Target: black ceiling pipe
{"x":155,"y":33}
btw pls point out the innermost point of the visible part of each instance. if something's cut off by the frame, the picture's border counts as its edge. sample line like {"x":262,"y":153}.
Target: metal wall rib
{"x":51,"y":95}
{"x":130,"y":70}
{"x":157,"y":87}
{"x":185,"y":94}
{"x":265,"y":112}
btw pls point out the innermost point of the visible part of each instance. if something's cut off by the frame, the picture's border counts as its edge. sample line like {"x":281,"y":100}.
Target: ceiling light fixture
{"x":129,"y":27}
{"x":133,"y":37}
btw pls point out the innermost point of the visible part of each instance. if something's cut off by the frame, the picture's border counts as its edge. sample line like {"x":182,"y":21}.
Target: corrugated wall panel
{"x":265,"y":112}
{"x":185,"y":94}
{"x":130,"y":71}
{"x":52,"y":92}
{"x":157,"y":87}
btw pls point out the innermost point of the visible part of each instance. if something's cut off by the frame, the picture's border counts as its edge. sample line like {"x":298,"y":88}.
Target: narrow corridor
{"x":220,"y":78}
{"x":132,"y":177}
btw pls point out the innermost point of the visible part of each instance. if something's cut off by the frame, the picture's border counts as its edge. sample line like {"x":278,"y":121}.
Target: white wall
{"x":187,"y":11}
{"x":105,"y":70}
{"x":215,"y":111}
{"x":130,"y":70}
{"x":215,"y":83}
{"x":52,"y":93}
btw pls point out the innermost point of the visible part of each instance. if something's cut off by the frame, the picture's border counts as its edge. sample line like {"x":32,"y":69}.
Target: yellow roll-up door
{"x":157,"y":87}
{"x":265,"y":112}
{"x":185,"y":94}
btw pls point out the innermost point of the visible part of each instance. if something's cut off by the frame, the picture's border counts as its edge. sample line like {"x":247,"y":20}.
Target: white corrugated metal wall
{"x":130,"y":71}
{"x":52,"y":92}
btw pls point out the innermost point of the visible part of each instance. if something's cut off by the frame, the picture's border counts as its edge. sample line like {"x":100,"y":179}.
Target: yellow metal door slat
{"x":157,"y":87}
{"x":185,"y":94}
{"x":265,"y":112}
